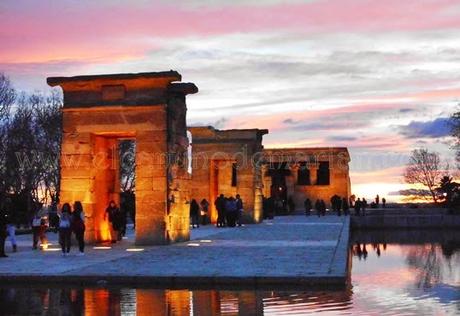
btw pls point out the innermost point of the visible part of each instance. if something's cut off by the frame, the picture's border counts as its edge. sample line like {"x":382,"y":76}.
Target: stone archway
{"x":149,"y":108}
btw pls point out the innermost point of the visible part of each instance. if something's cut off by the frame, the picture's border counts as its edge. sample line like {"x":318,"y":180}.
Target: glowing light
{"x":134,"y":249}
{"x":51,"y":249}
{"x":102,"y":248}
{"x":206,"y":241}
{"x":193,"y":245}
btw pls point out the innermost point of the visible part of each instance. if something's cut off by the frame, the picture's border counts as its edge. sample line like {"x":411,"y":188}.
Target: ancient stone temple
{"x":234,"y":162}
{"x":148,"y":108}
{"x":300,"y":173}
{"x":226,"y":162}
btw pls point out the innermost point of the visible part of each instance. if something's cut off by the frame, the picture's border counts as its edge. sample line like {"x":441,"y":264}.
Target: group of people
{"x":342,"y":205}
{"x":66,"y":220}
{"x":229,"y":211}
{"x":70,"y":221}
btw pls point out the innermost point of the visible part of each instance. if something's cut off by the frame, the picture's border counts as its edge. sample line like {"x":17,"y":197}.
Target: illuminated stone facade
{"x":149,"y":108}
{"x":234,"y":162}
{"x":225,"y":162}
{"x":300,"y":173}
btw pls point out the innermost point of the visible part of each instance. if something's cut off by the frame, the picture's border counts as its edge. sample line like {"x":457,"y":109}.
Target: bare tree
{"x":7,"y":98}
{"x":424,"y":168}
{"x":127,"y":151}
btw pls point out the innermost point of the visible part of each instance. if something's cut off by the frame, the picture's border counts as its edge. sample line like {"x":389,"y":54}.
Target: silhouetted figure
{"x":195,"y":213}
{"x":110,"y":213}
{"x":231,"y":211}
{"x":365,"y":253}
{"x":119,"y":223}
{"x":335,"y":204}
{"x":204,"y":204}
{"x":307,"y":205}
{"x":379,"y":253}
{"x":384,"y":203}
{"x":78,"y":226}
{"x":65,"y":229}
{"x":359,"y":252}
{"x":240,"y":210}
{"x":357,"y":207}
{"x":363,"y":207}
{"x":323,"y":208}
{"x":318,"y":207}
{"x":270,"y":207}
{"x":220,"y":206}
{"x":377,"y":200}
{"x":345,"y":207}
{"x":3,"y":233}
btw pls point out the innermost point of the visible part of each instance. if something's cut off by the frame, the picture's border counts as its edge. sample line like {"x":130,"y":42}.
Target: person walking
{"x":240,"y":210}
{"x":65,"y":230}
{"x":204,"y":204}
{"x":220,"y":206}
{"x":195,"y":213}
{"x":3,"y":233}
{"x":308,"y":206}
{"x":109,"y":215}
{"x":78,"y":226}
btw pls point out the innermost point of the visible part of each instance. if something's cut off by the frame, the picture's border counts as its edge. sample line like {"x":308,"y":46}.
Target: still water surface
{"x":387,"y":279}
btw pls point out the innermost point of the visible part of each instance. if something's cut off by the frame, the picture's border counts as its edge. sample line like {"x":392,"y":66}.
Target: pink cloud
{"x":35,"y":31}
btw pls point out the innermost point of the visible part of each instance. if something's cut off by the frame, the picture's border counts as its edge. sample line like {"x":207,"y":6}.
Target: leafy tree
{"x":424,"y":168}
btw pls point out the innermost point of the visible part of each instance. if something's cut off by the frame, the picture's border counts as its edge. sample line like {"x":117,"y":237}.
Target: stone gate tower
{"x":149,"y":108}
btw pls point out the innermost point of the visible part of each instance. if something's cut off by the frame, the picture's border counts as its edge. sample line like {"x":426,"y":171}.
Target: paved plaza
{"x":285,"y":251}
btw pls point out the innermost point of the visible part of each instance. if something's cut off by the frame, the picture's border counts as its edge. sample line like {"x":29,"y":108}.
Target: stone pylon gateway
{"x":149,"y":108}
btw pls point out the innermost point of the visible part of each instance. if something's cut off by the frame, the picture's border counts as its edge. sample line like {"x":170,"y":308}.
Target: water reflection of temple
{"x":65,"y":301}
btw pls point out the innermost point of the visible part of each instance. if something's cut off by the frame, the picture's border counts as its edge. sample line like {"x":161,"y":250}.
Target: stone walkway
{"x":293,"y":250}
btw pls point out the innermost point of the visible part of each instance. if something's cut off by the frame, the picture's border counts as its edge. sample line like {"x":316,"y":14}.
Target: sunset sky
{"x":379,"y":77}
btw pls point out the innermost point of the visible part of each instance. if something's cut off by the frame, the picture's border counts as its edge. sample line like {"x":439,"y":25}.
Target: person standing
{"x":240,"y":209}
{"x":363,"y":207}
{"x":323,"y":208}
{"x":109,"y":215}
{"x":318,"y":207}
{"x":10,"y":223}
{"x":78,"y":226}
{"x":377,"y":200}
{"x":345,"y":207}
{"x":195,"y":213}
{"x":3,"y":233}
{"x":231,"y":211}
{"x":357,"y":207}
{"x":204,"y":211}
{"x":308,"y":206}
{"x":36,"y":222}
{"x":384,"y":203}
{"x":220,"y":206}
{"x":65,"y":230}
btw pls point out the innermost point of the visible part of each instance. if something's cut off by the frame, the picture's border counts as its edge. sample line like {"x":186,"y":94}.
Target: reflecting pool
{"x":390,"y":276}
